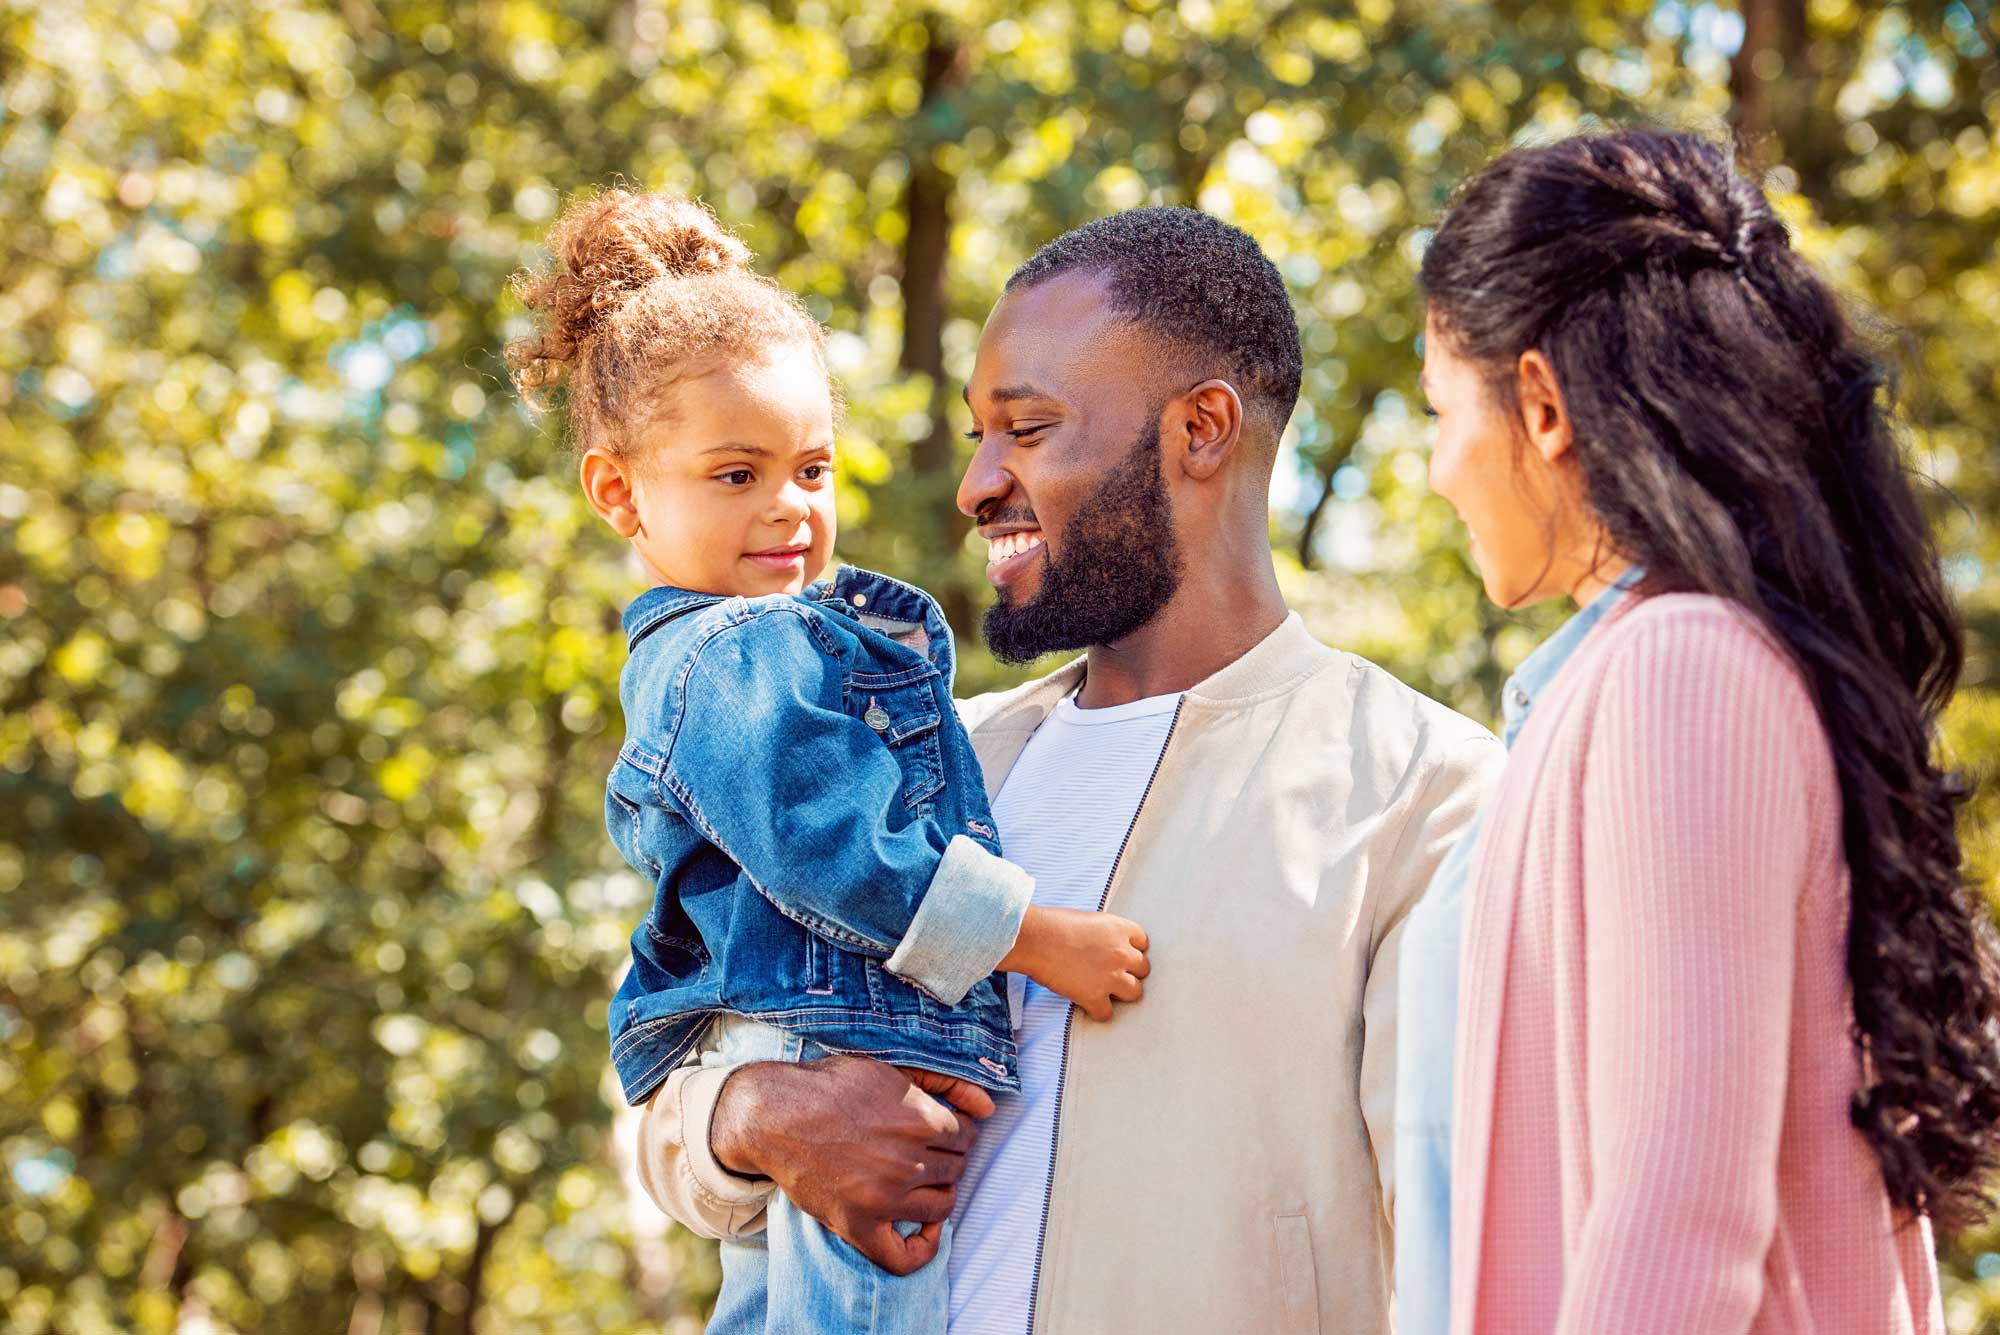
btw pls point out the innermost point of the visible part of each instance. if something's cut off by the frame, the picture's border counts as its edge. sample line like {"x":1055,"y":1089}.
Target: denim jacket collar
{"x":658,"y":605}
{"x":1539,"y":668}
{"x":861,"y":595}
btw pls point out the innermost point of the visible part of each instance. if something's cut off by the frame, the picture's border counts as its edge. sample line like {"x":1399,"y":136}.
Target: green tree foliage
{"x":308,"y":649}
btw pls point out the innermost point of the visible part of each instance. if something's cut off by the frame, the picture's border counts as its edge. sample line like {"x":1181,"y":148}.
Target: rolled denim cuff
{"x":967,"y":922}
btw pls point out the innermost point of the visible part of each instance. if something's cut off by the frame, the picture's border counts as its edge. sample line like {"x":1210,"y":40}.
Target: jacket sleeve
{"x":1458,"y":782}
{"x":799,"y":793}
{"x":1696,"y":813}
{"x":677,"y":1168}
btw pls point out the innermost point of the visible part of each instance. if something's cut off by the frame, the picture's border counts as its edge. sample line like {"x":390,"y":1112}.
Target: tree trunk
{"x":1309,"y":530}
{"x":1768,"y":78}
{"x":926,"y":251}
{"x":475,"y":1273}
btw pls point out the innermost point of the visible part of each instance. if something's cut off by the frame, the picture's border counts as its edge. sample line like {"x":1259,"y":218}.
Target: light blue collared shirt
{"x":1427,"y":1018}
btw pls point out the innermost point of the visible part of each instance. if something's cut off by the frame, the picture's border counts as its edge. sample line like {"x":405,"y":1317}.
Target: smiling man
{"x":1216,"y":1157}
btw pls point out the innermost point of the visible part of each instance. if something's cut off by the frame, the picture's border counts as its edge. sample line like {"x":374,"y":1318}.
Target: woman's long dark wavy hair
{"x":1734,"y":437}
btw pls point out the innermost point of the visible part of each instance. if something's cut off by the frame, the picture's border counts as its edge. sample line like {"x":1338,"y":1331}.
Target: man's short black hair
{"x":1194,"y":281}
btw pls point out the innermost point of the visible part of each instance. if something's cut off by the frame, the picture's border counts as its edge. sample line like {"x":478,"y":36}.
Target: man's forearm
{"x":678,"y":1167}
{"x":733,"y":1121}
{"x":854,"y":1143}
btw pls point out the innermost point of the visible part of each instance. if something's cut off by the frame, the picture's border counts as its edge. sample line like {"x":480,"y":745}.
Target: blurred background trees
{"x":308,"y":653}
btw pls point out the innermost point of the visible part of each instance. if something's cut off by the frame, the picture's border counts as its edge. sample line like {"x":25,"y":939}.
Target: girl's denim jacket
{"x":797,"y":786}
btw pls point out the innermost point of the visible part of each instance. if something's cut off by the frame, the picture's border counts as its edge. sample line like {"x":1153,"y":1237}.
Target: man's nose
{"x":985,"y":483}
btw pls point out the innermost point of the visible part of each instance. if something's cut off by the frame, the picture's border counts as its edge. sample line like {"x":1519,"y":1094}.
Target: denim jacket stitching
{"x":955,"y":1029}
{"x":674,"y":1056}
{"x":830,"y":931}
{"x":640,"y":758}
{"x":632,"y":814}
{"x":882,"y":681}
{"x":740,"y":614}
{"x":915,"y":726}
{"x":692,"y":945}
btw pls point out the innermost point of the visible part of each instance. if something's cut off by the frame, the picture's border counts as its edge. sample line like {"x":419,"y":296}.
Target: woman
{"x":1727,"y":1037}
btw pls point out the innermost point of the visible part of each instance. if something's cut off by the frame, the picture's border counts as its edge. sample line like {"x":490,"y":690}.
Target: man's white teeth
{"x":1009,"y":545}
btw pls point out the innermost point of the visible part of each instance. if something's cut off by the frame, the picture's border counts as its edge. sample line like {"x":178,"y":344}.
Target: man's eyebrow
{"x":1008,"y":394}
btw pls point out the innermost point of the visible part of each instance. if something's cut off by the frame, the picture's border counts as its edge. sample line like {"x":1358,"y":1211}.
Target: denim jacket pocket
{"x":902,"y":709}
{"x":624,"y":817}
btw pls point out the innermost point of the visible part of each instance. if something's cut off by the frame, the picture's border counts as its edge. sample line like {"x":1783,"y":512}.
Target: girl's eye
{"x":816,"y":472}
{"x":1430,"y":412}
{"x":737,"y":477}
{"x":975,"y":435}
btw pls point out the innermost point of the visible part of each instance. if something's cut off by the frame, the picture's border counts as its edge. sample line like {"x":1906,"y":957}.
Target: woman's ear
{"x":1544,"y":416}
{"x":608,"y":485}
{"x":1212,"y":416}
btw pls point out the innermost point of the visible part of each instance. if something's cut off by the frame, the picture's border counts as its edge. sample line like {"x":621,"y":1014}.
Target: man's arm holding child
{"x":856,"y":1143}
{"x":853,"y":1142}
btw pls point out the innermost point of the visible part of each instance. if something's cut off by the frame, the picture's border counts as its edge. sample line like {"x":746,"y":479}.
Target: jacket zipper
{"x":1069,"y":1019}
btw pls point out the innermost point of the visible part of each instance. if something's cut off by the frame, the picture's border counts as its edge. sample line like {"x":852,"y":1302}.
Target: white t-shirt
{"x":1063,"y":814}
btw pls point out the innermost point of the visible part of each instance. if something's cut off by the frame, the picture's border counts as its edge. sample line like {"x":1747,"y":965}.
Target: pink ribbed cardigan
{"x":1653,"y":1065}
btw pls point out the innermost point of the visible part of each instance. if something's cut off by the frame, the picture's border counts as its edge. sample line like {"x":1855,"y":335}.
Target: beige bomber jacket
{"x":1222,"y":1160}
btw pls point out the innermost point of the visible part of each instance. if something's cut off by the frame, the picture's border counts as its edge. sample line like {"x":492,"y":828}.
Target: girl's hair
{"x":1734,"y":437}
{"x":647,"y":288}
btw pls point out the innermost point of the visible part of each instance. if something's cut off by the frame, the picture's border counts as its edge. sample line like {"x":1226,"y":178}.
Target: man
{"x":1216,"y":1157}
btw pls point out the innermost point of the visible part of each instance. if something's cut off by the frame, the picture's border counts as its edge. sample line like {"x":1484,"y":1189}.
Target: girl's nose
{"x":791,"y":504}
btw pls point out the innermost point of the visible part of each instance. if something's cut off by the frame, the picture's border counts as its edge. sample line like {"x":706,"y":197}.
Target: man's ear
{"x":608,"y":485}
{"x":1544,"y":415}
{"x":1211,"y":416}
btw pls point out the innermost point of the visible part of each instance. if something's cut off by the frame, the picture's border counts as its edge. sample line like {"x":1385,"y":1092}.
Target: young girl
{"x":1728,"y":1034}
{"x":794,"y":780}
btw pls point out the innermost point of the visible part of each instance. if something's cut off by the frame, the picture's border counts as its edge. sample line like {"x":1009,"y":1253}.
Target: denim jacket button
{"x":876,"y":717}
{"x":861,"y":600}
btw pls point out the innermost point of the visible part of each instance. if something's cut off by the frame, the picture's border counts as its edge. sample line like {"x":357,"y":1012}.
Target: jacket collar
{"x":852,"y":590}
{"x":864,"y":593}
{"x":658,"y":605}
{"x":1275,"y":664}
{"x":1540,"y":668}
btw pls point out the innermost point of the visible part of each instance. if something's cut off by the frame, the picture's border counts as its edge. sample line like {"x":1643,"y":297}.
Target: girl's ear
{"x":1544,"y":416}
{"x":608,"y":485}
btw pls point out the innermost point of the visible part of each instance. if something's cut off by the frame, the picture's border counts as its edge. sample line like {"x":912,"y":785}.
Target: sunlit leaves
{"x":309,"y":650}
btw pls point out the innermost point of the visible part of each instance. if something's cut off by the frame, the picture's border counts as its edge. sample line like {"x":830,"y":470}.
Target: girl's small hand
{"x":1094,"y":959}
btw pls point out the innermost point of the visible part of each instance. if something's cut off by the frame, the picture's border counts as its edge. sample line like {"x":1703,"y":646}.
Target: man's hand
{"x":1094,"y":959}
{"x":856,"y":1144}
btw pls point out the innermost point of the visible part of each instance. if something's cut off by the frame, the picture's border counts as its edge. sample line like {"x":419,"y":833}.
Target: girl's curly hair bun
{"x":609,"y":249}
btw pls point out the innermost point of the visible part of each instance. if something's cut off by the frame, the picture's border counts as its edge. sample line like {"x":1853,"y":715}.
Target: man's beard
{"x":1120,"y":565}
